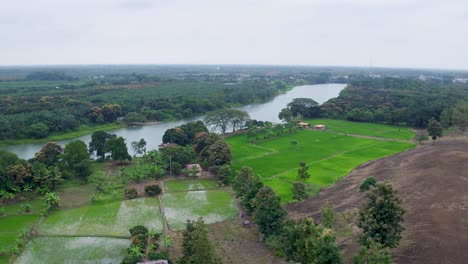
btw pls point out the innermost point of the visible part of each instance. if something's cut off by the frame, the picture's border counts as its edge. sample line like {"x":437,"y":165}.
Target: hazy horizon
{"x":404,"y":34}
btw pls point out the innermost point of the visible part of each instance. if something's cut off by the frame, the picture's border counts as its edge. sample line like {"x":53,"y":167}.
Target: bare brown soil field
{"x":432,"y":181}
{"x":234,"y":244}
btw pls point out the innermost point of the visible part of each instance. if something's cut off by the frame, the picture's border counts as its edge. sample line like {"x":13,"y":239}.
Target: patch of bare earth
{"x":234,"y":244}
{"x":432,"y":181}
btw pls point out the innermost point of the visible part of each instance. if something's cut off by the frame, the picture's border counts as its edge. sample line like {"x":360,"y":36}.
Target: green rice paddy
{"x":329,"y":155}
{"x":190,"y":185}
{"x":11,"y":226}
{"x":365,"y":129}
{"x":213,"y":206}
{"x":55,"y":250}
{"x":107,"y":219}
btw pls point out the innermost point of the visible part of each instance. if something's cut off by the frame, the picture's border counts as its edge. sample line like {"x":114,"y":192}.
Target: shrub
{"x":153,"y":189}
{"x":368,"y":182}
{"x":2,"y":211}
{"x":52,"y":200}
{"x":138,"y":230}
{"x":131,"y":193}
{"x":156,"y":255}
{"x":138,"y":241}
{"x":26,"y":207}
{"x":131,"y":259}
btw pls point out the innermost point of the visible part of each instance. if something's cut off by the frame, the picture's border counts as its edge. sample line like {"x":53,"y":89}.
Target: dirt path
{"x":432,"y":180}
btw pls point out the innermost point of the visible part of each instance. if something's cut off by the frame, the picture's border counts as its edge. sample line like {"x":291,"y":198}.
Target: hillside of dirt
{"x":432,"y":181}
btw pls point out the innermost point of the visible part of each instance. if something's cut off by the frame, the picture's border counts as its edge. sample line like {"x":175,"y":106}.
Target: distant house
{"x":196,"y":167}
{"x":160,"y":261}
{"x":303,"y":124}
{"x":168,"y":145}
{"x":320,"y":127}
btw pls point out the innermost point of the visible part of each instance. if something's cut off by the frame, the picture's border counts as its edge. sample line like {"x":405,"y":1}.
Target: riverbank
{"x":82,"y":131}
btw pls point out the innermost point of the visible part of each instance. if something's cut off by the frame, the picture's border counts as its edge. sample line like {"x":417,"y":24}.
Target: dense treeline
{"x":47,"y":103}
{"x":394,"y":101}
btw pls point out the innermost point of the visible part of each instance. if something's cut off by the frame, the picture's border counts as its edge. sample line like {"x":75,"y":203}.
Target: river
{"x":152,"y":134}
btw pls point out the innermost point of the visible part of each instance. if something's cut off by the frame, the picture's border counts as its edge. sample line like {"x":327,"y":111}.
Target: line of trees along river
{"x":153,"y":133}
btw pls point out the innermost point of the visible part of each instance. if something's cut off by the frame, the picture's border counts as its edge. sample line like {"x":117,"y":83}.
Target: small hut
{"x":303,"y":124}
{"x":320,"y":127}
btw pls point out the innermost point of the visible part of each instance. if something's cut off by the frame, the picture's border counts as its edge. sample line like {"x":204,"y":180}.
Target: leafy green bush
{"x":138,"y":230}
{"x":132,"y":259}
{"x":26,"y":207}
{"x":156,"y":255}
{"x":153,"y":189}
{"x":368,"y":182}
{"x":131,"y":193}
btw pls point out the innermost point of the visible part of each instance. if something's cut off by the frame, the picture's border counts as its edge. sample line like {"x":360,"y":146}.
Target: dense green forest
{"x":397,"y":101}
{"x":36,"y":102}
{"x":44,"y":103}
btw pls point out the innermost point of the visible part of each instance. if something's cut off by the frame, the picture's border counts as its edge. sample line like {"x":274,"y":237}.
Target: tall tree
{"x":268,"y":213}
{"x":222,"y":119}
{"x":381,"y":217}
{"x":139,"y":147}
{"x":74,"y":153}
{"x":460,"y":116}
{"x":303,"y":172}
{"x":118,"y":149}
{"x":98,"y":143}
{"x":434,"y":128}
{"x":196,"y":248}
{"x":300,"y":192}
{"x":49,"y":154}
{"x":54,"y":176}
{"x":246,"y":185}
{"x":218,"y":154}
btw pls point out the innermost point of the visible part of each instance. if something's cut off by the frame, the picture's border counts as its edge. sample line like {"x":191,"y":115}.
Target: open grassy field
{"x":365,"y":129}
{"x":51,"y":250}
{"x":190,"y":185}
{"x":107,"y":219}
{"x":213,"y":206}
{"x":329,"y":156}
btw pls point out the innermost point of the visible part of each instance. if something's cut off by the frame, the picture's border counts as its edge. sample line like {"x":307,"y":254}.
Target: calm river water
{"x":153,"y":133}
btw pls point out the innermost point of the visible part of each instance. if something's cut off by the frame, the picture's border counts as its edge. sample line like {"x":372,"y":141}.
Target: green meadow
{"x":213,"y":206}
{"x":329,"y":155}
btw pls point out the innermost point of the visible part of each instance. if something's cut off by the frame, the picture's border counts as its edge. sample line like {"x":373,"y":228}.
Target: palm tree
{"x":54,"y":176}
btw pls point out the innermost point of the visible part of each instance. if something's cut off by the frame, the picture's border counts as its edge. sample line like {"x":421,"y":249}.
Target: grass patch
{"x":106,"y":219}
{"x":74,"y":250}
{"x":213,"y":206}
{"x":330,"y":156}
{"x":365,"y":129}
{"x":11,"y":226}
{"x":15,"y":209}
{"x":190,"y":185}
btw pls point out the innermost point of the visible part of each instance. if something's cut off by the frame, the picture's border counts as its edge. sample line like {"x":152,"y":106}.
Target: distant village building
{"x":320,"y":127}
{"x":303,"y":124}
{"x":168,"y":145}
{"x":160,"y":261}
{"x":196,"y":167}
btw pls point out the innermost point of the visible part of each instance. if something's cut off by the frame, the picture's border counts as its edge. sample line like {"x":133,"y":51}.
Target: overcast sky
{"x":394,"y":33}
